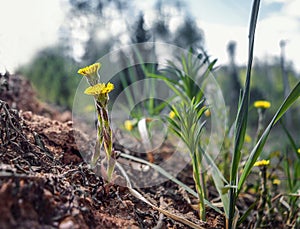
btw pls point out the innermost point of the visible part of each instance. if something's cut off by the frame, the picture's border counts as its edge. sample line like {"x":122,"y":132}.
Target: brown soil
{"x":44,"y":182}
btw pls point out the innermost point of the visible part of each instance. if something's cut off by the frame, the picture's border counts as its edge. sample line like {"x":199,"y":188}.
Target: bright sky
{"x":229,"y":20}
{"x":27,"y":26}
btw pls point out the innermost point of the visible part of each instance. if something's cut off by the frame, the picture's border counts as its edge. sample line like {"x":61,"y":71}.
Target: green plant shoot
{"x":104,"y":133}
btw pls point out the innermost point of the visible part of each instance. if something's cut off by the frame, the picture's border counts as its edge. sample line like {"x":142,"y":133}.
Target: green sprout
{"x":185,"y":122}
{"x":104,"y":133}
{"x":185,"y":118}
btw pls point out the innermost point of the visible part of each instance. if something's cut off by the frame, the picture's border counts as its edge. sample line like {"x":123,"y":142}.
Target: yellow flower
{"x":89,"y":108}
{"x":99,"y":89}
{"x":298,"y":150}
{"x":262,"y":104}
{"x":248,"y":139}
{"x":276,"y":181}
{"x":262,"y":163}
{"x":128,"y":125}
{"x":275,"y":154}
{"x":89,"y":70}
{"x":207,"y":113}
{"x":172,"y":114}
{"x":109,"y":87}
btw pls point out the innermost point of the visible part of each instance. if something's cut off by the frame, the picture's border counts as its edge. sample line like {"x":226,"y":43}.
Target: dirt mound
{"x":18,"y":93}
{"x":43,"y":181}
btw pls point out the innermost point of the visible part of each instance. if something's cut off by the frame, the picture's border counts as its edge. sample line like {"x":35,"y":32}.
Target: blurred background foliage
{"x":93,"y":28}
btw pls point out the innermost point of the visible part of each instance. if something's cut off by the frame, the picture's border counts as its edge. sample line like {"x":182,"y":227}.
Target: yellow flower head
{"x":298,"y":150}
{"x":248,"y":139}
{"x":207,"y":113}
{"x":262,"y":104}
{"x":275,"y":154}
{"x":128,"y":125}
{"x":276,"y":181}
{"x":99,"y":89}
{"x":89,"y":70}
{"x":89,"y":108}
{"x":262,"y":163}
{"x":172,"y":114}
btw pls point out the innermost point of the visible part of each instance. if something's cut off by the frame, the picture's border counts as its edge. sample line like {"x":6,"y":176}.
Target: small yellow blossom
{"x":298,"y":150}
{"x":89,"y":70}
{"x":276,"y":181}
{"x":99,"y":89}
{"x":207,"y":113}
{"x":109,"y":87}
{"x":172,"y":114}
{"x":275,"y":154}
{"x":89,"y":108}
{"x":262,"y":104}
{"x":262,"y":163}
{"x":128,"y":125}
{"x":95,"y":90}
{"x":248,"y":139}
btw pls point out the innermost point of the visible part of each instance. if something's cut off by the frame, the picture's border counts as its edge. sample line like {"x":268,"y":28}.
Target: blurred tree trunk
{"x":286,"y":86}
{"x":234,"y":75}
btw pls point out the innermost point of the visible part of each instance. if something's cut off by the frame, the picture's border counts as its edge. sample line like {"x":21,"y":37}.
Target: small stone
{"x":27,"y":115}
{"x":67,"y":223}
{"x":69,"y":123}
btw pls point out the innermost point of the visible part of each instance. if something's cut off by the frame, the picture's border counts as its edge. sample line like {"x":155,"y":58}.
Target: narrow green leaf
{"x":219,"y":181}
{"x":255,"y":153}
{"x":287,"y":171}
{"x":246,"y":214}
{"x":162,"y":77}
{"x":291,"y":139}
{"x":128,"y":94}
{"x":184,"y":66}
{"x":242,"y":117}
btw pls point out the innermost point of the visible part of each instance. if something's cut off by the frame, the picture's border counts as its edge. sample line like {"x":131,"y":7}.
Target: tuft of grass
{"x":186,"y":120}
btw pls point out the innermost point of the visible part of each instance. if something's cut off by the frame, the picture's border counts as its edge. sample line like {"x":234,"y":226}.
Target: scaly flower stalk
{"x":100,"y":92}
{"x":263,"y":193}
{"x":104,"y":133}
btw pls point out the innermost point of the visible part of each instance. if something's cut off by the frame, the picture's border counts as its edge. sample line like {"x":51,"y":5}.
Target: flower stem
{"x":106,"y":135}
{"x":263,"y":197}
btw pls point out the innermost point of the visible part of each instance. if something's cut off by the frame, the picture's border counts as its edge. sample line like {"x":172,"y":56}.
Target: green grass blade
{"x":173,"y":85}
{"x":292,"y":181}
{"x":159,"y":107}
{"x":128,"y":94}
{"x":242,"y":117}
{"x":255,"y":153}
{"x":291,"y":139}
{"x":296,"y":174}
{"x":286,"y":167}
{"x":247,"y":213}
{"x":208,"y":71}
{"x":184,"y":65}
{"x":219,"y":181}
{"x":170,"y":177}
{"x":162,"y":77}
